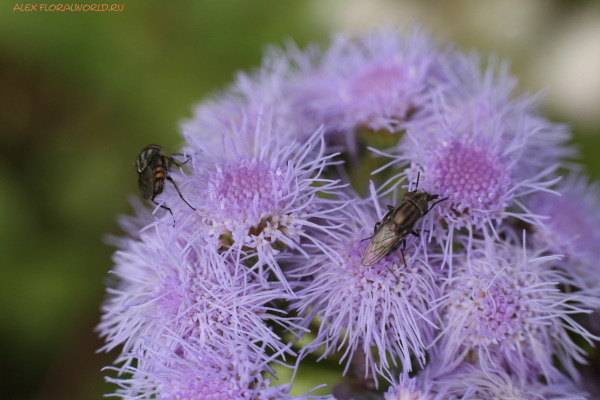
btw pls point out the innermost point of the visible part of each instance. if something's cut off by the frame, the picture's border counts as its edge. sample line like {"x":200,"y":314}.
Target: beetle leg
{"x":173,"y":182}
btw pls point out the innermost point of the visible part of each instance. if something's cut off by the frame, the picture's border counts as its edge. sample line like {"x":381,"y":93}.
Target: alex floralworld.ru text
{"x":68,"y":7}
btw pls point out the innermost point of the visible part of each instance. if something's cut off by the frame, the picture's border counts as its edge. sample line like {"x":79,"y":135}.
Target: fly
{"x":397,"y":223}
{"x":153,"y":169}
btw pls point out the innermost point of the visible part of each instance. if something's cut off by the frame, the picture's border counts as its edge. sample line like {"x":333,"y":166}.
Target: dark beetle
{"x":153,"y":168}
{"x":396,"y":224}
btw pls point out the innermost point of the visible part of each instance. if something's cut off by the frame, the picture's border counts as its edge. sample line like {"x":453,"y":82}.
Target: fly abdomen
{"x":405,"y":216}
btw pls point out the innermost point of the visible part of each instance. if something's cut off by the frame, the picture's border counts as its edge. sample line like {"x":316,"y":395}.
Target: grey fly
{"x":153,"y":169}
{"x":397,"y":223}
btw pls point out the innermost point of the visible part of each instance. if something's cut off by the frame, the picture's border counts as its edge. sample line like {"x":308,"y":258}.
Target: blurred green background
{"x":82,"y":92}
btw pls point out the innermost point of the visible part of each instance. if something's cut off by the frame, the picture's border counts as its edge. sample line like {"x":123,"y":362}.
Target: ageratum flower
{"x":241,"y":105}
{"x":468,"y":382}
{"x":377,"y":81}
{"x":261,"y":194}
{"x":572,"y":227}
{"x":503,"y":308}
{"x":481,"y":149}
{"x":183,"y":289}
{"x":406,"y":388}
{"x":472,"y":96}
{"x":376,"y":310}
{"x":382,"y":77}
{"x":202,"y":373}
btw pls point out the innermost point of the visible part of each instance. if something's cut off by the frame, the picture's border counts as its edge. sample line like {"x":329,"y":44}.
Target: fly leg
{"x":173,"y":182}
{"x":161,"y":206}
{"x":165,"y":207}
{"x":402,"y":251}
{"x":374,"y":230}
{"x":437,"y":202}
{"x":375,"y":227}
{"x":377,"y":224}
{"x":172,"y":161}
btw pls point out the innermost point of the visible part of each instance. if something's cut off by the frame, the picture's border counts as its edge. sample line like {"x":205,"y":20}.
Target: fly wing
{"x":146,"y":183}
{"x":381,"y":243}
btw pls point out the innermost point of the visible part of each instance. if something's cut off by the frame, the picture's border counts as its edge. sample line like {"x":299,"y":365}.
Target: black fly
{"x":153,"y":168}
{"x":397,"y":223}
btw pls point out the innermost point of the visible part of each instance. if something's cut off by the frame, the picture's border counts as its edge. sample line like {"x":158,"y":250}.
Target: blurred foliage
{"x":80,"y":94}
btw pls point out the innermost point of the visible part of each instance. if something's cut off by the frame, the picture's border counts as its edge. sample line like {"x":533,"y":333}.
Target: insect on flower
{"x":397,"y":223}
{"x":153,"y":169}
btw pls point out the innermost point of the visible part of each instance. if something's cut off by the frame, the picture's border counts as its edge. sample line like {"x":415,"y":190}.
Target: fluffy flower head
{"x":240,"y":107}
{"x":481,"y":149}
{"x":382,"y":77}
{"x":502,"y":304}
{"x":412,"y":389}
{"x":260,"y":196}
{"x":188,"y":291}
{"x":383,"y":306}
{"x":469,"y":382}
{"x":203,"y":373}
{"x":572,"y":227}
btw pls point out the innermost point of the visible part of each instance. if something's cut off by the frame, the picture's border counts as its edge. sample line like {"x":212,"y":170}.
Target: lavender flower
{"x":377,"y":81}
{"x":572,"y":227}
{"x":382,"y":77}
{"x":261,"y":194}
{"x":188,"y":291}
{"x":503,"y":307}
{"x":470,"y":382}
{"x":481,"y":149}
{"x":202,"y":373}
{"x":384,"y":306}
{"x":240,"y":107}
{"x":413,"y":389}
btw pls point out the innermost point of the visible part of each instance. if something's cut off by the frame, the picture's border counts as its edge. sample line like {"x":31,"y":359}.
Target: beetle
{"x":153,"y":169}
{"x":396,"y":224}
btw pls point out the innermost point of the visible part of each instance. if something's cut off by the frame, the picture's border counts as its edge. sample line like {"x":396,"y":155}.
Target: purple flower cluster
{"x":480,"y":298}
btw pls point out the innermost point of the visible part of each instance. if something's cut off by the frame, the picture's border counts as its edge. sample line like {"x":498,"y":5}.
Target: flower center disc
{"x":249,"y":187}
{"x":469,"y":176}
